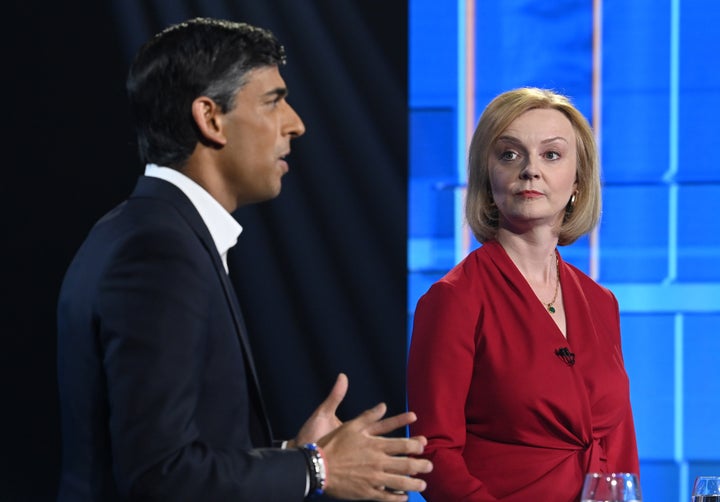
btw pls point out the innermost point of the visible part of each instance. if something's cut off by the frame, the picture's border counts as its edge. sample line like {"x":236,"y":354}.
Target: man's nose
{"x":293,"y":123}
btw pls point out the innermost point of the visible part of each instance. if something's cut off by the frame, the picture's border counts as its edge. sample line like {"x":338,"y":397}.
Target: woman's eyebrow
{"x":514,"y":140}
{"x":509,"y":139}
{"x":550,"y":140}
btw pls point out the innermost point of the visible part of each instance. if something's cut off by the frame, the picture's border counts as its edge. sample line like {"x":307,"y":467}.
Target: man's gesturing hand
{"x":361,"y":464}
{"x":323,"y":420}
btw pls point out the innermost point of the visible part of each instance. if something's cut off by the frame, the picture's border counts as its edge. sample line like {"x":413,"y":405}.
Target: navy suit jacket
{"x":159,"y":396}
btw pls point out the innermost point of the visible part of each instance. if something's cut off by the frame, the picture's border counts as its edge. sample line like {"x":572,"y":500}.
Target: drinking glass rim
{"x":617,"y":474}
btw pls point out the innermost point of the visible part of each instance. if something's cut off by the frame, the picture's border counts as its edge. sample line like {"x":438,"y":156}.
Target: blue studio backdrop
{"x":646,"y":75}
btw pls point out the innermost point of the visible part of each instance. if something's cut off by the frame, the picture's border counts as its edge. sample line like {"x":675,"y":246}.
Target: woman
{"x":515,"y":368}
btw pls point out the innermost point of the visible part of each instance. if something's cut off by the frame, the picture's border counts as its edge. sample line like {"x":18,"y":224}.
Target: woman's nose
{"x":529,"y":171}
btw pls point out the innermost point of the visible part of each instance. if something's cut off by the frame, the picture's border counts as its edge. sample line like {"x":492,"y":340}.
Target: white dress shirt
{"x":222,"y":226}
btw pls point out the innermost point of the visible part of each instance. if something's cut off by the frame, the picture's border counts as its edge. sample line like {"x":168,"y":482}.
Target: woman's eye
{"x":552,"y":155}
{"x":508,"y":155}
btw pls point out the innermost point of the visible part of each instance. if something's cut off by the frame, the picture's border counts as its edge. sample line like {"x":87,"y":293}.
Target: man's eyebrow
{"x":278,"y":92}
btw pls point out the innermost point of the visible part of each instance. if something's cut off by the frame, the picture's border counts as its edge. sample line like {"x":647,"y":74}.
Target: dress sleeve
{"x":621,"y":446}
{"x":621,"y":443}
{"x":440,"y":367}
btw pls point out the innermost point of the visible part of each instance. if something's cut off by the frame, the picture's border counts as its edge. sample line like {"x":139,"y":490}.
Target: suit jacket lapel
{"x":231,"y":295}
{"x":154,"y":187}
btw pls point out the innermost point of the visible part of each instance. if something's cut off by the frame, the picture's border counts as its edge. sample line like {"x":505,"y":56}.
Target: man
{"x":159,"y":395}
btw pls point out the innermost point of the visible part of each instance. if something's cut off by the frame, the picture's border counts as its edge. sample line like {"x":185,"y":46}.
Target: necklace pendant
{"x":551,"y":308}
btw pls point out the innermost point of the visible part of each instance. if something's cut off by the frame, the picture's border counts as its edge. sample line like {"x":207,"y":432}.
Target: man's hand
{"x":323,"y":420}
{"x":362,"y":465}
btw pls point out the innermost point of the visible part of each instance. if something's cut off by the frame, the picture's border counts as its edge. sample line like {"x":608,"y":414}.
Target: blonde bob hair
{"x":582,"y":214}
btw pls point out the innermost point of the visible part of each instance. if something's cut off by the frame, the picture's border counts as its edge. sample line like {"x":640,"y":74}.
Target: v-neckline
{"x":538,"y":304}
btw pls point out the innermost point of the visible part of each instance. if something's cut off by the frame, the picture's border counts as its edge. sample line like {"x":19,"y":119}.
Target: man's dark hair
{"x":200,"y":57}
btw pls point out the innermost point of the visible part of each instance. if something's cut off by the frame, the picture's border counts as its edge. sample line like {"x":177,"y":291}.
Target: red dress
{"x":506,"y":417}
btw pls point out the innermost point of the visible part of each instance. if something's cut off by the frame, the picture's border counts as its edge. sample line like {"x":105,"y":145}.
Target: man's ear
{"x":206,"y":114}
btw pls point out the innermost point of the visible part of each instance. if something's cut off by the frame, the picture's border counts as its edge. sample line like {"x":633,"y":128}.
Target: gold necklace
{"x":551,"y":306}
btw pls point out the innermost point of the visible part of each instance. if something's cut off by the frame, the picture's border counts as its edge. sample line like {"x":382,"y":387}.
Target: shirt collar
{"x":223,"y":228}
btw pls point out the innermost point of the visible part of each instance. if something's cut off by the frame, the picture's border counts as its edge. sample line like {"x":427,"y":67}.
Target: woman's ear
{"x":206,"y":114}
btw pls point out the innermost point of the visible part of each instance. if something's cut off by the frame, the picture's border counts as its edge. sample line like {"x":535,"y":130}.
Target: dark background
{"x":320,"y":271}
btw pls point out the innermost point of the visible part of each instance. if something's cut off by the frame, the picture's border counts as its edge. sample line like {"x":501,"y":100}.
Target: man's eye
{"x":275,"y":101}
